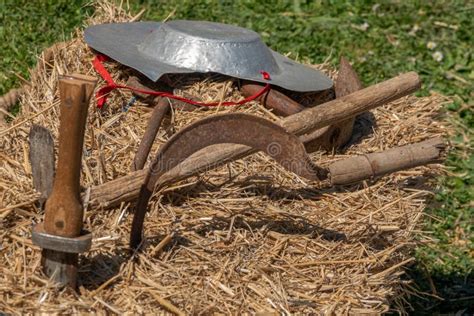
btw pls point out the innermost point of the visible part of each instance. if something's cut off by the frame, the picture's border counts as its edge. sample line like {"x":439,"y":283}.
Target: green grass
{"x":27,"y":27}
{"x":382,"y":40}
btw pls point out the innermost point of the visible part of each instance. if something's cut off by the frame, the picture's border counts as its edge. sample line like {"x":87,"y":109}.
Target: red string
{"x":103,"y":92}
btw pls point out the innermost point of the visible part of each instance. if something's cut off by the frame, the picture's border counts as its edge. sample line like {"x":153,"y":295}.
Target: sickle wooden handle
{"x":63,"y":210}
{"x":280,"y":103}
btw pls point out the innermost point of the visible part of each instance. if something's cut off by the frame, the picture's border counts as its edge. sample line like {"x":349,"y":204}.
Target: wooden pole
{"x":353,"y":104}
{"x":368,"y":166}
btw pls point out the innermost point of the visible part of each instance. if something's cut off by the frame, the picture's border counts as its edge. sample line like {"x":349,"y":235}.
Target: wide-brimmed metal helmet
{"x":181,"y":46}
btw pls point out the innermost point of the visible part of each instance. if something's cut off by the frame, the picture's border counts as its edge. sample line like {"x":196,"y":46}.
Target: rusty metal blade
{"x":347,"y":80}
{"x":42,"y":160}
{"x":236,"y":128}
{"x":338,"y":134}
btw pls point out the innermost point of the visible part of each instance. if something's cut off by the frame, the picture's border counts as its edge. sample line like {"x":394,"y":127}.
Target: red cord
{"x":103,"y":92}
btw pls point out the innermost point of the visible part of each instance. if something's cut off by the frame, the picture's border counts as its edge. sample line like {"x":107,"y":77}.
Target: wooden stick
{"x":352,"y":104}
{"x":127,"y":188}
{"x":163,"y":243}
{"x":273,"y":99}
{"x":161,"y":108}
{"x":373,"y":165}
{"x":167,"y":304}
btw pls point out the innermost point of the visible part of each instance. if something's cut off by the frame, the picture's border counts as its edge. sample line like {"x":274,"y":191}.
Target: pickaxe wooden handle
{"x":273,"y":99}
{"x":63,"y":210}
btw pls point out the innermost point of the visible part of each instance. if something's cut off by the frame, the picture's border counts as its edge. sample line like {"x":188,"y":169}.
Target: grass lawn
{"x":381,"y":39}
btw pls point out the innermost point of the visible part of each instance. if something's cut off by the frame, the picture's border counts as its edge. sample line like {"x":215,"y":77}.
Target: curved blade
{"x":236,"y":128}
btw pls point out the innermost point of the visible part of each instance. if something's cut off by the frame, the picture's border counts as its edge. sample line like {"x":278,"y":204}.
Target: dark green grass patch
{"x":27,"y":27}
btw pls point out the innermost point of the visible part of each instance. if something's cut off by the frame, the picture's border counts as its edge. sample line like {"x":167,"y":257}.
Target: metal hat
{"x":181,"y":46}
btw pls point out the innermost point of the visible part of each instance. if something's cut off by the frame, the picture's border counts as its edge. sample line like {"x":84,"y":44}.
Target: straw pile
{"x":247,"y":237}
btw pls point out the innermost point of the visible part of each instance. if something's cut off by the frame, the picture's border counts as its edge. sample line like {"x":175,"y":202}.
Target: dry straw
{"x":247,"y":237}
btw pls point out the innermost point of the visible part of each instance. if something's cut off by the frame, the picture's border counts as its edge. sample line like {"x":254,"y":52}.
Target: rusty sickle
{"x":238,"y":128}
{"x":285,"y":148}
{"x":61,"y":235}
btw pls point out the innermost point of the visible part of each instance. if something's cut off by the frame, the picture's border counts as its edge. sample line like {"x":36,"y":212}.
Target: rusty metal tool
{"x":337,"y":135}
{"x":238,"y":128}
{"x":285,"y":148}
{"x":127,"y":188}
{"x":161,"y":108}
{"x":41,"y":157}
{"x":61,"y":235}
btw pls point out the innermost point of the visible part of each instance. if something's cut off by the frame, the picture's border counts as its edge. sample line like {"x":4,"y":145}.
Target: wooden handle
{"x":63,"y":210}
{"x":373,"y":165}
{"x":280,"y":103}
{"x":352,"y":104}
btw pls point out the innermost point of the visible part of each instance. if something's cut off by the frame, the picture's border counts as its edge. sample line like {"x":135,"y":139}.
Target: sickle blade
{"x":236,"y":128}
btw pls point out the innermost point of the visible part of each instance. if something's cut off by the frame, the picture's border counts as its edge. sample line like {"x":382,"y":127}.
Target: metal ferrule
{"x":62,"y":244}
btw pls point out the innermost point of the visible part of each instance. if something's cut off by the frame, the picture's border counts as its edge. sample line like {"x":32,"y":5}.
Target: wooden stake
{"x":373,"y":165}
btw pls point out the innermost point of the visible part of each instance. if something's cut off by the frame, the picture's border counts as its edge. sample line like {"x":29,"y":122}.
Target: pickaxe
{"x":61,"y":235}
